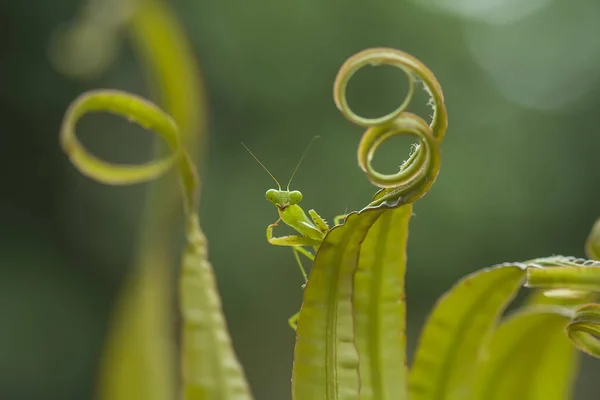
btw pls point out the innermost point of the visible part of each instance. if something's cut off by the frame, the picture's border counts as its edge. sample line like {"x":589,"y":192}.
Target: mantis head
{"x":283,"y":198}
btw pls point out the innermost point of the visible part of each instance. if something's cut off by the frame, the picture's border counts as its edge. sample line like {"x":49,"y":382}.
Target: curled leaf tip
{"x":584,"y":329}
{"x":571,"y":281}
{"x":144,"y":113}
{"x":420,"y":170}
{"x":131,"y":107}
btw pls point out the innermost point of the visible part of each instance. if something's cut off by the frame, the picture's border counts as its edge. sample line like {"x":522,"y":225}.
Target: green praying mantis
{"x":311,"y":231}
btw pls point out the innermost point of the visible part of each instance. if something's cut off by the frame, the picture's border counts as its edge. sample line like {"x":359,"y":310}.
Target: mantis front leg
{"x":319,"y":221}
{"x":322,"y":224}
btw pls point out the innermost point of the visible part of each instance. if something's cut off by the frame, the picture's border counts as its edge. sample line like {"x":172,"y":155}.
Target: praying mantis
{"x":311,"y":231}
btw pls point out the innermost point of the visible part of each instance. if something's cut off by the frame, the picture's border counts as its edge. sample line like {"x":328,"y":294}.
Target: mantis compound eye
{"x":295,"y":197}
{"x":271,"y":195}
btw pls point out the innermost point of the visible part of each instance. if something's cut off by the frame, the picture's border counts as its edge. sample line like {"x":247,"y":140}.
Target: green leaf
{"x":138,"y":357}
{"x":354,"y":309}
{"x":529,"y":358}
{"x":456,"y":332}
{"x":325,"y":356}
{"x":576,"y":276}
{"x":210,"y":368}
{"x":380,"y":307}
{"x":141,"y":330}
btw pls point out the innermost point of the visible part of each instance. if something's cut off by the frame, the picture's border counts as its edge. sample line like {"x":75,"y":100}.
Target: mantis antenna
{"x":302,"y":158}
{"x":262,"y":165}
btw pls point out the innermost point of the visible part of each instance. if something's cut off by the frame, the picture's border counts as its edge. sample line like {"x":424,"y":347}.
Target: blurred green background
{"x":519,"y":174}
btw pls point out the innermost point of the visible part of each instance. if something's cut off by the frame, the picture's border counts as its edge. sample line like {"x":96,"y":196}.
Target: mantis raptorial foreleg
{"x":290,"y":240}
{"x":319,"y":221}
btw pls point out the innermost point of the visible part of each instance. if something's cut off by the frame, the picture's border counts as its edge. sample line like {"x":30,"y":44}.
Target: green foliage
{"x":210,"y":368}
{"x":351,"y":337}
{"x":456,"y":332}
{"x":528,"y":357}
{"x":140,"y":330}
{"x":352,"y":322}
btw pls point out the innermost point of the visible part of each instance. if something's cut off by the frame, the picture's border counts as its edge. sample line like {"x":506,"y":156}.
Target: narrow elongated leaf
{"x":210,"y":368}
{"x":325,"y":356}
{"x":137,"y":362}
{"x":529,"y":358}
{"x":457,"y":330}
{"x":380,"y":307}
{"x":354,"y":309}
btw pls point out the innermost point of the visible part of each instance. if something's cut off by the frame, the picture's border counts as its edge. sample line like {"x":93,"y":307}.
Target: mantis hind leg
{"x":293,"y":321}
{"x":338,"y":220}
{"x":301,"y":250}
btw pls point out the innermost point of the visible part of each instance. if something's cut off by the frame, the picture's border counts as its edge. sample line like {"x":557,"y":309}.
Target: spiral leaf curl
{"x":421,"y":169}
{"x":144,"y":113}
{"x":582,"y":276}
{"x":584,"y":329}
